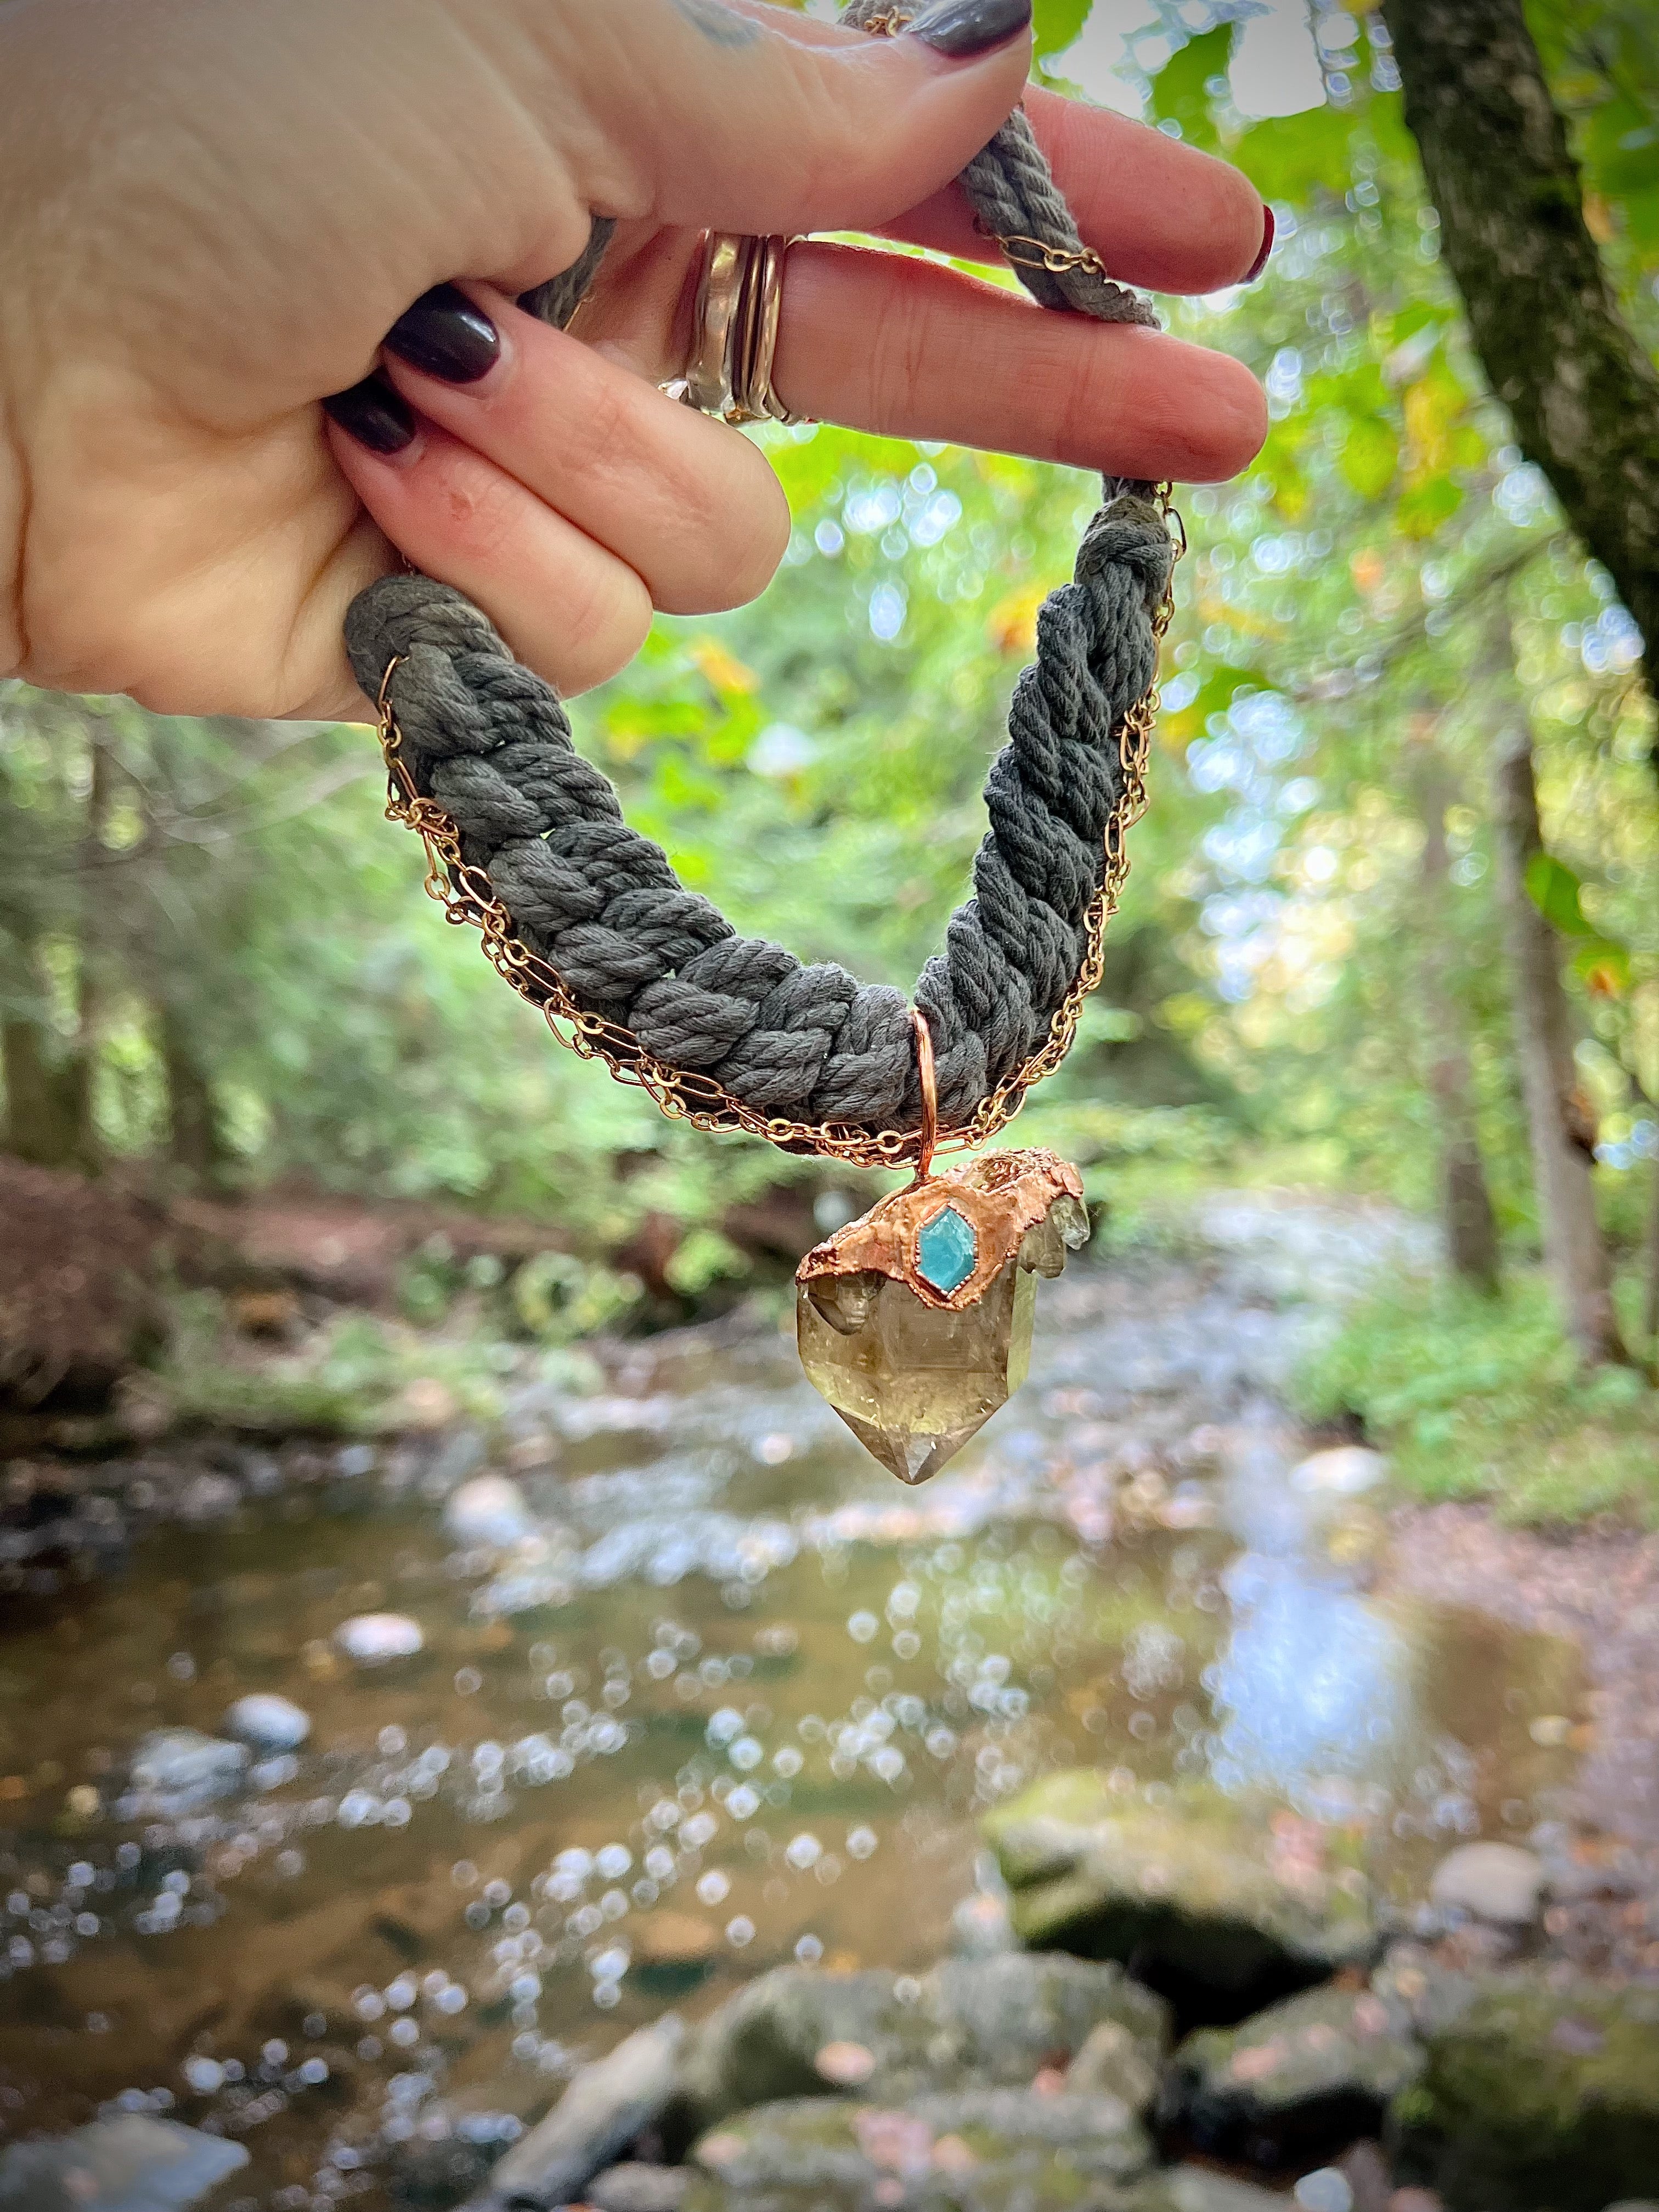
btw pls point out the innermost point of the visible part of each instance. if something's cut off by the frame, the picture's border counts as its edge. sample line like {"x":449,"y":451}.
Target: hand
{"x":213,"y":211}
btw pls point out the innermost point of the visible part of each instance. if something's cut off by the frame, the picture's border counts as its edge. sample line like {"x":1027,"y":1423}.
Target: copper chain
{"x":469,"y":900}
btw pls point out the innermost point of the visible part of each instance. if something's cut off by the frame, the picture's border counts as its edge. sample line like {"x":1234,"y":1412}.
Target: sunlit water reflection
{"x":733,"y":1698}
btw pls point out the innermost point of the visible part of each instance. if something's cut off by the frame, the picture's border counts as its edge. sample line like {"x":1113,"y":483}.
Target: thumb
{"x":754,"y":118}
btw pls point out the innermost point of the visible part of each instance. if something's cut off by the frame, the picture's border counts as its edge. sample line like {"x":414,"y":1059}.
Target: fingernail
{"x":963,"y":27}
{"x":1269,"y":227}
{"x":447,"y":336}
{"x":374,"y":414}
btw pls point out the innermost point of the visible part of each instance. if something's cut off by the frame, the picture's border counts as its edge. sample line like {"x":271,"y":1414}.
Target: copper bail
{"x":929,"y":1094}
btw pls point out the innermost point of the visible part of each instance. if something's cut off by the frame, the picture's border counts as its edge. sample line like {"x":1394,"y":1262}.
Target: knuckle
{"x":608,"y":619}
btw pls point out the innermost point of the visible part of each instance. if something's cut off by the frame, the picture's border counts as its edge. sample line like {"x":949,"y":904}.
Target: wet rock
{"x":1365,"y":2170}
{"x":762,"y":2046}
{"x":368,"y":1637}
{"x":981,"y":1927}
{"x":1188,"y":2190}
{"x":640,"y":2189}
{"x":999,"y":2019}
{"x":209,"y":1497}
{"x":965,"y":2151}
{"x":1220,"y":1911}
{"x":606,"y":2107}
{"x":1543,"y":2091}
{"x":792,"y":2033}
{"x":1492,"y":1881}
{"x":490,"y":1509}
{"x":1350,"y":1471}
{"x":127,"y":2163}
{"x":268,"y":1723}
{"x":1296,"y":2082}
{"x":1432,"y":1995}
{"x":1114,"y":2062}
{"x":178,"y":1770}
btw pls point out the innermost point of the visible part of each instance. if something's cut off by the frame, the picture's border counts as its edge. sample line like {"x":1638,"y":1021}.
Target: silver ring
{"x":735,"y":328}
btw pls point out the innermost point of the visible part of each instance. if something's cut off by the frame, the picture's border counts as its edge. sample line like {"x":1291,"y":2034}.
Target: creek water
{"x":734,"y":1699}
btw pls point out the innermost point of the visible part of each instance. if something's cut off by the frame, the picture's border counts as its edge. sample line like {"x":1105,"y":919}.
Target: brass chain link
{"x":469,"y":901}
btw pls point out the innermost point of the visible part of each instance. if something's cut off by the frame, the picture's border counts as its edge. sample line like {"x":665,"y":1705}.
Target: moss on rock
{"x":800,"y":2032}
{"x":1542,"y":2095}
{"x":977,"y":2150}
{"x":1297,"y":2083}
{"x":1218,"y":1907}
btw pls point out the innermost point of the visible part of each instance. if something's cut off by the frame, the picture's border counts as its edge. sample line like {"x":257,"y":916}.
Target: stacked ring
{"x":735,"y":328}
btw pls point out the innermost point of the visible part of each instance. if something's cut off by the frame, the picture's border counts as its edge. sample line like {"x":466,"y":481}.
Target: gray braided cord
{"x":490,"y":743}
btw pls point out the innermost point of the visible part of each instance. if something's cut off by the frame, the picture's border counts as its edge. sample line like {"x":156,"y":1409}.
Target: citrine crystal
{"x":912,"y":1360}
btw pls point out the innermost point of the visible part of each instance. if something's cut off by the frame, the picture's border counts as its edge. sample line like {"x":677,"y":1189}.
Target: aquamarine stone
{"x":947,"y":1250}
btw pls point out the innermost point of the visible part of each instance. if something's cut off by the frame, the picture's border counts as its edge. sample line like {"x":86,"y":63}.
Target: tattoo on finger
{"x":716,"y":22}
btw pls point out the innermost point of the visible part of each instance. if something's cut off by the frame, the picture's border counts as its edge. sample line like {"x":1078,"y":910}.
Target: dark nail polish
{"x":374,"y":414}
{"x":445,"y":336}
{"x":1260,"y":261}
{"x":961,"y":28}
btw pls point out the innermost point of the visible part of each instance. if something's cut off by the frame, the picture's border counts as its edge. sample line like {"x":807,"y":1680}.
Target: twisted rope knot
{"x":490,"y":743}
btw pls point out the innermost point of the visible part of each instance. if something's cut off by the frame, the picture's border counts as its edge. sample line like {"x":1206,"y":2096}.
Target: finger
{"x":749,"y":121}
{"x":909,"y":348}
{"x":690,"y":508}
{"x":568,"y":607}
{"x":1157,"y":213}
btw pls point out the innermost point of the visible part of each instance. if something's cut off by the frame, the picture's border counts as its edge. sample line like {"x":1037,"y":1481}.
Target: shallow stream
{"x":735,"y":1699}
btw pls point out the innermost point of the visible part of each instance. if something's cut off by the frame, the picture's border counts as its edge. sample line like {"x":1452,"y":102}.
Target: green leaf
{"x":1178,"y":90}
{"x":1057,"y":24}
{"x":1369,"y":455}
{"x":1604,"y":965}
{"x":1290,"y":157}
{"x":1554,"y":889}
{"x":1422,"y":507}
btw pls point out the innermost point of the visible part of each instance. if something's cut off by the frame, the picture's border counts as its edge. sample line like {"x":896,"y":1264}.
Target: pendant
{"x":914,"y":1321}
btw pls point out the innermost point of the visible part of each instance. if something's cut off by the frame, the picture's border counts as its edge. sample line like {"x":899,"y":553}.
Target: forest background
{"x":1392,"y":927}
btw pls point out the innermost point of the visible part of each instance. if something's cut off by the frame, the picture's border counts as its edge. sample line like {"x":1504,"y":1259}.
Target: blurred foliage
{"x":359,"y":1375}
{"x":222,"y":905}
{"x":1481,"y":1398}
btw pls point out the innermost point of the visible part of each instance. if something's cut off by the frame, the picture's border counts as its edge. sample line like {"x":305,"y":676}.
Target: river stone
{"x":1543,"y":2091}
{"x":488,"y":1510}
{"x":1294,"y":2083}
{"x":975,"y":2150}
{"x":127,"y":2163}
{"x":178,"y":1770}
{"x":800,"y":2032}
{"x":1198,"y":1891}
{"x":1114,"y":2062}
{"x":639,"y":2188}
{"x":376,"y":1635}
{"x":1348,"y":1471}
{"x":607,"y":2103}
{"x":268,"y":1722}
{"x":1492,"y":1881}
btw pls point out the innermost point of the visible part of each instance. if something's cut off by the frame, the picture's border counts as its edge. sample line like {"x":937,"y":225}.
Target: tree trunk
{"x":195,"y":1140}
{"x":1573,"y":1247}
{"x":43,"y":1120}
{"x":1584,"y":396}
{"x":1466,"y":1209}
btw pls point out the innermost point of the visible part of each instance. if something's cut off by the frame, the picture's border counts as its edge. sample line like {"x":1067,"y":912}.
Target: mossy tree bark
{"x":1584,"y":394}
{"x":1562,"y":1142}
{"x":1466,"y":1210}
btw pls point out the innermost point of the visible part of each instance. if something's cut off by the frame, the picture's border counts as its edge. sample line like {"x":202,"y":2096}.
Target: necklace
{"x":914,"y":1321}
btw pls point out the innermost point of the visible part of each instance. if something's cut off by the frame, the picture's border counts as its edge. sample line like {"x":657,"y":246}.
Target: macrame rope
{"x":491,"y":744}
